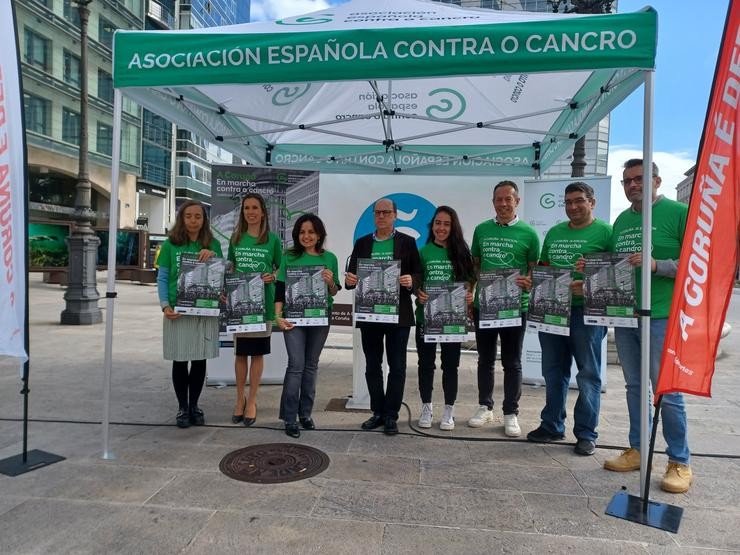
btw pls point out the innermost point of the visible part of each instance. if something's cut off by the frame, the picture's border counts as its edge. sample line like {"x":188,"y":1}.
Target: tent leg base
{"x":658,"y":515}
{"x":35,"y":459}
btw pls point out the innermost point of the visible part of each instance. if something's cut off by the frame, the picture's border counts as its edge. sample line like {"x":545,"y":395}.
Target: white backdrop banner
{"x":543,"y":207}
{"x":12,"y":196}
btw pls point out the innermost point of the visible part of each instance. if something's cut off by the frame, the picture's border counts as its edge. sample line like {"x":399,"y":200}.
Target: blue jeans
{"x":304,"y":345}
{"x":675,"y":428}
{"x":558,"y":351}
{"x":385,"y":403}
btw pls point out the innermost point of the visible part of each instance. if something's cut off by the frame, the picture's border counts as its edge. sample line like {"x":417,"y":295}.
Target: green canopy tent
{"x":388,"y":87}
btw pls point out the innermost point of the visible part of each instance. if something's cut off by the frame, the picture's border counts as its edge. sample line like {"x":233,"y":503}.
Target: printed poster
{"x":244,"y":310}
{"x":499,"y":299}
{"x":609,"y":290}
{"x":378,"y":290}
{"x":549,"y":301}
{"x":306,"y":296}
{"x":199,"y":285}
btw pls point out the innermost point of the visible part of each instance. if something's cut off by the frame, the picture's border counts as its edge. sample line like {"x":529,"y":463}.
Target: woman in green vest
{"x":187,"y":337}
{"x":253,"y":248}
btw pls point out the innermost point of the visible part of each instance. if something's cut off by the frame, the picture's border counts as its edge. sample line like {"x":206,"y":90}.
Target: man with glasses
{"x":669,"y":224}
{"x":504,"y":242}
{"x":386,"y":244}
{"x":564,"y":245}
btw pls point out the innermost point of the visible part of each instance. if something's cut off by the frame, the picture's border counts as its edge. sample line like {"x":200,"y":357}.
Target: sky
{"x":689,"y":33}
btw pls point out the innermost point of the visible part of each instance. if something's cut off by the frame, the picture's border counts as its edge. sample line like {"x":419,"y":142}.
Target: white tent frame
{"x":644,"y":312}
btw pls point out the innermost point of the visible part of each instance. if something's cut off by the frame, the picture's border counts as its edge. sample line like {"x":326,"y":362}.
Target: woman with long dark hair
{"x":304,"y":343}
{"x":445,"y":257}
{"x":187,"y":338}
{"x":253,"y":248}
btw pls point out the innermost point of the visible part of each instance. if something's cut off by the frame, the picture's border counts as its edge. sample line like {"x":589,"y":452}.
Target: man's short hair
{"x":632,"y":162}
{"x":506,"y":183}
{"x":580,"y":187}
{"x":393,"y":204}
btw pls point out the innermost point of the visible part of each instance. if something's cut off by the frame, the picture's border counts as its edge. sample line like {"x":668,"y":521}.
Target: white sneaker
{"x":511,"y":425}
{"x":448,"y":419}
{"x":425,"y":420}
{"x":481,"y":416}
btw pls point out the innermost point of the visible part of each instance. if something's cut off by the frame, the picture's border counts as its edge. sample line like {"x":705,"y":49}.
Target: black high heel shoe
{"x":236,"y":418}
{"x":249,"y":421}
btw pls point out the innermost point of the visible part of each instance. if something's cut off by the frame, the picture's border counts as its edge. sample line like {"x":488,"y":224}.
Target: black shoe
{"x":197,"y":418}
{"x":291,"y":429}
{"x":307,"y":423}
{"x":541,"y":435}
{"x":183,"y":418}
{"x":375,"y":421}
{"x":585,"y":447}
{"x":249,"y":421}
{"x":390,"y":427}
{"x":236,"y":418}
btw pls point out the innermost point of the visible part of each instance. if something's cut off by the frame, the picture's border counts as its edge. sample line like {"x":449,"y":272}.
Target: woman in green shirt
{"x":445,"y":257}
{"x":187,"y":337}
{"x":253,"y":248}
{"x":304,"y":343}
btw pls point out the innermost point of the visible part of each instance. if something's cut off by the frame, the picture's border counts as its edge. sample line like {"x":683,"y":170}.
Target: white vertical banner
{"x":12,"y":196}
{"x":543,"y":206}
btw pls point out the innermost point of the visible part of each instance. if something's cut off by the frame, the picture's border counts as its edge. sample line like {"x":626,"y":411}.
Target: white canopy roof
{"x":393,"y":86}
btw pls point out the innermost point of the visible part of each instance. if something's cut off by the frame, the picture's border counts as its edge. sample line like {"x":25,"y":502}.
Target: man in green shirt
{"x":564,"y":245}
{"x":503,"y":242}
{"x":669,"y":224}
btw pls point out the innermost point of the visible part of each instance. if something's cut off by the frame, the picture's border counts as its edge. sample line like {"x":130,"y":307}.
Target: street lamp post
{"x":81,"y":297}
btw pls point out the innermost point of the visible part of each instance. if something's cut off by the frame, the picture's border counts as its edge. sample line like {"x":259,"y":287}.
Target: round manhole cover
{"x":274,"y":463}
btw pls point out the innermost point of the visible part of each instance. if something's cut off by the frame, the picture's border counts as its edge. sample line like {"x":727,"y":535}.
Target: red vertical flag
{"x":709,"y":254}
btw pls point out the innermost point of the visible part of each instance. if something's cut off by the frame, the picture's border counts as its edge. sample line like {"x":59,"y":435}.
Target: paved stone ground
{"x":467,"y":491}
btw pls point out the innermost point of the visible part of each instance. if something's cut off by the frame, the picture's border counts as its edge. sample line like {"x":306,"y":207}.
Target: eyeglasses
{"x":637,"y":180}
{"x":383,"y":212}
{"x":576,"y":201}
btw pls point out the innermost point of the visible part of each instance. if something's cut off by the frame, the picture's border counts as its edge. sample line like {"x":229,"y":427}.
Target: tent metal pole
{"x":647,"y":241}
{"x":110,"y":294}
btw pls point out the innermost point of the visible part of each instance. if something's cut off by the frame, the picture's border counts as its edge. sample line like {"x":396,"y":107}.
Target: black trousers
{"x":385,"y":403}
{"x":511,"y":359}
{"x":450,"y":360}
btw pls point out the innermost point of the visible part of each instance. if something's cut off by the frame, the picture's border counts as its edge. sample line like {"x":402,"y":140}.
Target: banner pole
{"x":646,"y":490}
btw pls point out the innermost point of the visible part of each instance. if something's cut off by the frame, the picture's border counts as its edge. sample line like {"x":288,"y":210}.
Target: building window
{"x":105,"y":86}
{"x":105,"y":32}
{"x":70,"y":126}
{"x":38,"y":50}
{"x":37,"y":111}
{"x":105,"y":139}
{"x":71,"y":13}
{"x":71,"y":69}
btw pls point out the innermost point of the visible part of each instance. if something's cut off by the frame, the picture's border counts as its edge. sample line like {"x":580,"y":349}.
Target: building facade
{"x":49,"y":41}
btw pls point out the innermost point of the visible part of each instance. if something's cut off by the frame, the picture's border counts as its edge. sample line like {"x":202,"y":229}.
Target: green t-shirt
{"x":436,"y":266}
{"x":382,"y":250}
{"x":248,"y":256}
{"x":326,"y":259}
{"x":505,"y":246}
{"x":169,"y":257}
{"x":669,"y":224}
{"x":563,"y":246}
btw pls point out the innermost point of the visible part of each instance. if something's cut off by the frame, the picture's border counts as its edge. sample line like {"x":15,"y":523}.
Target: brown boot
{"x":628,"y":460}
{"x":677,"y":478}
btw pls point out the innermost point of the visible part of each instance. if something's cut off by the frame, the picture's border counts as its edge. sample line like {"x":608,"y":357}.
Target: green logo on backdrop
{"x":451,"y":104}
{"x":287,"y":95}
{"x":547,"y":200}
{"x":307,"y":20}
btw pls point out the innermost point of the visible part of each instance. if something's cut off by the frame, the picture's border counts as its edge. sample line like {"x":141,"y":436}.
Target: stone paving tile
{"x":240,"y":533}
{"x":717,"y":528}
{"x":445,"y":541}
{"x":500,"y":476}
{"x":7,"y":502}
{"x":564,"y":515}
{"x":101,"y":481}
{"x":446,"y":506}
{"x":60,"y":526}
{"x":511,"y":452}
{"x":174,"y":455}
{"x":215,"y":491}
{"x":415,"y":447}
{"x":329,"y":442}
{"x":397,"y":470}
